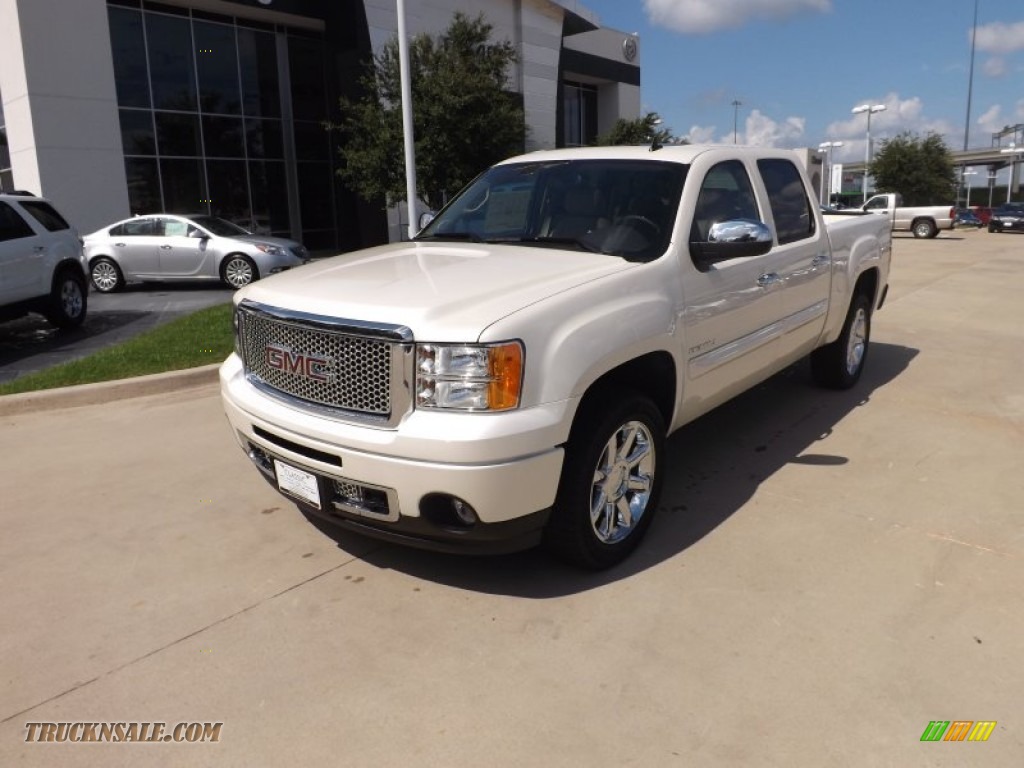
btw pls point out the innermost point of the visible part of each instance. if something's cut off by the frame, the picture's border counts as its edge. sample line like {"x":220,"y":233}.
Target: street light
{"x":962,"y":175}
{"x":1014,"y":150}
{"x":870,"y":109}
{"x":826,"y":180}
{"x":736,"y":104}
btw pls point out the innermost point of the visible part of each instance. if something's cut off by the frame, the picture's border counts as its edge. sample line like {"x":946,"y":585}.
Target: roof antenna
{"x":655,"y":144}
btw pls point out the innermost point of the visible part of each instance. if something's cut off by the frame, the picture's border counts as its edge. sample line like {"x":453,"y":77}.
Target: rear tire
{"x":68,"y":300}
{"x":611,"y":481}
{"x":106,"y":275}
{"x":839,"y":365}
{"x":924,"y":228}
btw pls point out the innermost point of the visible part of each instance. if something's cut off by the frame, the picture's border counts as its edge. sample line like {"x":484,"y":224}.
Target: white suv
{"x":42,"y":266}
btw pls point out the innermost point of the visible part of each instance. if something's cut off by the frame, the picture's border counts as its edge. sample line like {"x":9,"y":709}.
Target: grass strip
{"x":201,"y":338}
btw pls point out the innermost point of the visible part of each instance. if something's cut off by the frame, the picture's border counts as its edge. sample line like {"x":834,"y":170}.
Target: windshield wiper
{"x":452,"y":236}
{"x":544,"y":240}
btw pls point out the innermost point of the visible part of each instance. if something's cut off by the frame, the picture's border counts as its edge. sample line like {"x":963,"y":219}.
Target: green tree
{"x":464,"y":117}
{"x":920,"y":169}
{"x":640,"y":130}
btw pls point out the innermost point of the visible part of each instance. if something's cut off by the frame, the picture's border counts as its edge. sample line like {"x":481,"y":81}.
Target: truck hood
{"x":442,"y":291}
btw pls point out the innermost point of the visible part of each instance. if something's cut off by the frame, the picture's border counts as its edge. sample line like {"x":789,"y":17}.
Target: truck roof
{"x":677,"y":153}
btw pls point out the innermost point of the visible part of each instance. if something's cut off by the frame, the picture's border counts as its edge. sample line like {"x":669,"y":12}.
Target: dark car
{"x":1008,"y":217}
{"x":966,"y":219}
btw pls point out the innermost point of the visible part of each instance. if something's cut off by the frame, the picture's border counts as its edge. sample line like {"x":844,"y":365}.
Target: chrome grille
{"x":337,"y":369}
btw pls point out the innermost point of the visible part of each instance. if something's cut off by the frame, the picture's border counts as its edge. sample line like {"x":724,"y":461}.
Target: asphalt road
{"x":829,"y":573}
{"x":31,"y":344}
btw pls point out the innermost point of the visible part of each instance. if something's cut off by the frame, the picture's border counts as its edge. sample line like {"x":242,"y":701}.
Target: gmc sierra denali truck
{"x":510,"y":375}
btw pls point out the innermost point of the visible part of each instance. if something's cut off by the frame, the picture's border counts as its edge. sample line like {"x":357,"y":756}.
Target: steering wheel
{"x":634,"y":217}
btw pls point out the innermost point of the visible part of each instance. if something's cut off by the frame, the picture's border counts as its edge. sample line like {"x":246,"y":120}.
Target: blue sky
{"x":800,"y":66}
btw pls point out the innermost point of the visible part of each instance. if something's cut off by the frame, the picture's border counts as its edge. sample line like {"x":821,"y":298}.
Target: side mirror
{"x":426,"y":217}
{"x":198,"y":234}
{"x":734,"y":239}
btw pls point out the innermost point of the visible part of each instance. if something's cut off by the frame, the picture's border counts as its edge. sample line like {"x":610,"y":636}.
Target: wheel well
{"x":867,"y":284}
{"x":653,"y":375}
{"x":68,"y":265}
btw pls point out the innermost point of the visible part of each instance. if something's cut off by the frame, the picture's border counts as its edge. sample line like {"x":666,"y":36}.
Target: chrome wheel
{"x":623,"y":481}
{"x":239,"y":271}
{"x":105,"y":276}
{"x":857,"y":341}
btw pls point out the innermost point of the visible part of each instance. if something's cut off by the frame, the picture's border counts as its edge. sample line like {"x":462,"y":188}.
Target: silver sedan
{"x":170,"y":247}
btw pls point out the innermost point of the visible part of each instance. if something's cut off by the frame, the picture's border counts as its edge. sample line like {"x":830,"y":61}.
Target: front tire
{"x":238,"y":271}
{"x":839,"y":365}
{"x":68,"y":300}
{"x":611,"y":481}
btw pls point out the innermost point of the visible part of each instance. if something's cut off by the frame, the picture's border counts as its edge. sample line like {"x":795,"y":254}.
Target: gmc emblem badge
{"x":316,"y":367}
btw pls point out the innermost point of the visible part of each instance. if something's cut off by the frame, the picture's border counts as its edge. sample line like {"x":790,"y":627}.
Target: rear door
{"x":804,"y":256}
{"x":136,"y":246}
{"x":22,"y":257}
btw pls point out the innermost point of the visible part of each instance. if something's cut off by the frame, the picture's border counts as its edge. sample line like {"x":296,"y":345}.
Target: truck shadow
{"x":714,"y":467}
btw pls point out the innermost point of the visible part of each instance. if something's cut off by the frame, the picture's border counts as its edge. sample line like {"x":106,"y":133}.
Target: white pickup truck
{"x":509,"y":377}
{"x":922,"y":220}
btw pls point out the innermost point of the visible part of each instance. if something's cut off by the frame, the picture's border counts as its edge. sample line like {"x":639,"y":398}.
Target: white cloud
{"x":701,"y":134}
{"x":899,"y":115}
{"x":999,"y":38}
{"x":995,"y":67}
{"x":703,"y":16}
{"x":758,"y":130}
{"x":992,"y":119}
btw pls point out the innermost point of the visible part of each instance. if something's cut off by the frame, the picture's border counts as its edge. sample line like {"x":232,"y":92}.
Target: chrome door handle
{"x":768,"y":279}
{"x":819,"y":261}
{"x":165,"y":247}
{"x":119,"y":245}
{"x":39,"y":248}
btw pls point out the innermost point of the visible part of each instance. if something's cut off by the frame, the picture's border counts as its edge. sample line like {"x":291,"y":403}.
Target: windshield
{"x":219,"y":227}
{"x":622,"y":208}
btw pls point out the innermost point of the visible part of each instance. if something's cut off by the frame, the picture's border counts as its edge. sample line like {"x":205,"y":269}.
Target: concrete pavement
{"x":829,"y":573}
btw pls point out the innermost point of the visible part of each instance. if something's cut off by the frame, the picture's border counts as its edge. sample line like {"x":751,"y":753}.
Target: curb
{"x":107,"y":391}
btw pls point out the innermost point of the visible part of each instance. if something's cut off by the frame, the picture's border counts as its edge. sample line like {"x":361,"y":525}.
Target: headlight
{"x":469,"y":377}
{"x":273,"y":250}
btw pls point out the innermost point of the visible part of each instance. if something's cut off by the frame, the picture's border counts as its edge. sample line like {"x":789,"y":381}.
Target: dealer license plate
{"x":297,"y":483}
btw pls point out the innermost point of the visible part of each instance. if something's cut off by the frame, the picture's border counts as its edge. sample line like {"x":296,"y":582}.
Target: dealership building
{"x":119,"y":107}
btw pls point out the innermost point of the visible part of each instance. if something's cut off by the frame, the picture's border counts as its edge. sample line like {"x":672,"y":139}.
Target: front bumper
{"x":380,"y":482}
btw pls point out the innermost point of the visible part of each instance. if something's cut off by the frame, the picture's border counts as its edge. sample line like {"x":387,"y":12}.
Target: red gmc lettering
{"x":283,"y":359}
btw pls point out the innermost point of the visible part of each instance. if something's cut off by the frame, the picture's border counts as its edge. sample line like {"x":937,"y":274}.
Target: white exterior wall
{"x":60,"y":107}
{"x":533,"y":26}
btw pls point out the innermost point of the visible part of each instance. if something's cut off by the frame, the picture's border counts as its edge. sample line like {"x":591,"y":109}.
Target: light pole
{"x":1013,"y":150}
{"x":870,"y":109}
{"x":736,"y":104}
{"x":962,"y":176}
{"x":826,"y":181}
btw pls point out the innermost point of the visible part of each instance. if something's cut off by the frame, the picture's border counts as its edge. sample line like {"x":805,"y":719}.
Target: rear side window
{"x":12,"y":226}
{"x":794,"y":218}
{"x":46,"y":215}
{"x":135,"y":227}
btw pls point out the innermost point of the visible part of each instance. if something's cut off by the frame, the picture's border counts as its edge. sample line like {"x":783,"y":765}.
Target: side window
{"x":794,"y":217}
{"x":12,"y":226}
{"x":138,"y":228}
{"x":725,"y":195}
{"x":46,"y":215}
{"x":175,"y":228}
{"x":877,"y":204}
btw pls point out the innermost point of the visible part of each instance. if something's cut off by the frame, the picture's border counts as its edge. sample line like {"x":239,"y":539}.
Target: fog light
{"x":448,"y":511}
{"x":465,"y":513}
